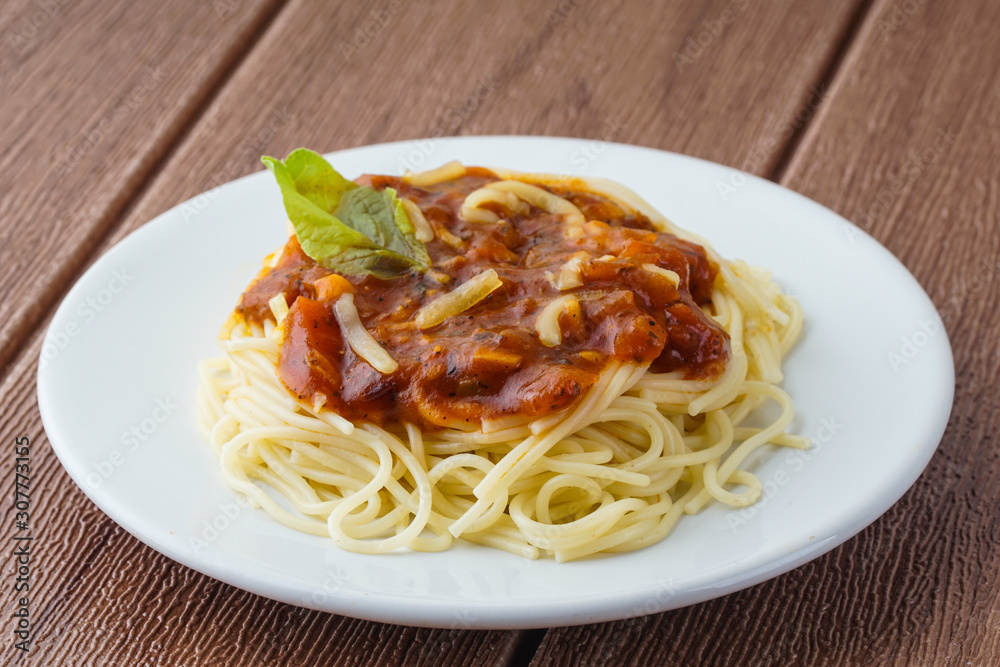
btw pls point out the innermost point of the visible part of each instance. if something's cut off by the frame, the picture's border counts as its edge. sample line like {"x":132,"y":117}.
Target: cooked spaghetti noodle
{"x":610,"y":469}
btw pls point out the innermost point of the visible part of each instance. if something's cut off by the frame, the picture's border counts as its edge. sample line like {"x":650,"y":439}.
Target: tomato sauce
{"x":488,"y":362}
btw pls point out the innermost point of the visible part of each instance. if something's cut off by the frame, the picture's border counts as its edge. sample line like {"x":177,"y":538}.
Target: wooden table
{"x":885,"y":111}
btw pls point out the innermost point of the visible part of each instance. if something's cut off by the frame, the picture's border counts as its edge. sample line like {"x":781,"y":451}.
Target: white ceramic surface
{"x":872,"y":379}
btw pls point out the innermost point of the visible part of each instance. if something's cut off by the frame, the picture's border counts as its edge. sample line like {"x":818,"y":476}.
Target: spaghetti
{"x":511,"y":393}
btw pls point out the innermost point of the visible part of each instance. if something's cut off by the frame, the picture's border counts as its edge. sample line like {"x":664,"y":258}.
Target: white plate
{"x":872,"y":380}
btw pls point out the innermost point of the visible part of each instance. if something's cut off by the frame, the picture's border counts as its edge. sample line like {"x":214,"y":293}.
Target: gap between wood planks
{"x":531,"y":640}
{"x":107,"y":227}
{"x":824,"y":85}
{"x":527,"y":648}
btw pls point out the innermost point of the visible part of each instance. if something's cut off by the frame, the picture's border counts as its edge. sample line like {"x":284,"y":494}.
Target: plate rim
{"x":506,"y":614}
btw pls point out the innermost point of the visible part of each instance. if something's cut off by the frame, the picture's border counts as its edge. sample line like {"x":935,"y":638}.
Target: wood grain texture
{"x":469,"y":68}
{"x":906,"y":146}
{"x":101,"y":597}
{"x":749,"y":86}
{"x":104,"y":598}
{"x":94,"y":93}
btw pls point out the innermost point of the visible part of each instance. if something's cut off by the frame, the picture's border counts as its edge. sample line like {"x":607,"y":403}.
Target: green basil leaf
{"x":415,"y":248}
{"x":381,"y":217}
{"x":315,"y":179}
{"x":380,"y":263}
{"x":348,"y":228}
{"x":368,"y":211}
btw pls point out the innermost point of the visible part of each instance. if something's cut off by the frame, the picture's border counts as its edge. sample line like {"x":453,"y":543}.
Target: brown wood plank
{"x":535,"y":78}
{"x":100,"y":589}
{"x":906,"y":146}
{"x":93,"y":95}
{"x":926,"y":81}
{"x":101,"y":597}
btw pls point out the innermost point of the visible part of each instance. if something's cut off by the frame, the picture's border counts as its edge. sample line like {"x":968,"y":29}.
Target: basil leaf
{"x":416,"y":249}
{"x":367,"y":211}
{"x":380,"y":263}
{"x":315,"y":179}
{"x":348,"y":228}
{"x":381,"y":217}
